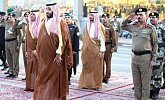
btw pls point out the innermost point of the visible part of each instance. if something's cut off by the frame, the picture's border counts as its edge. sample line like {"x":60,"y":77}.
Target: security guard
{"x":156,"y":78}
{"x":12,"y":45}
{"x":144,"y":51}
{"x":74,"y":33}
{"x":2,"y":40}
{"x":110,"y":44}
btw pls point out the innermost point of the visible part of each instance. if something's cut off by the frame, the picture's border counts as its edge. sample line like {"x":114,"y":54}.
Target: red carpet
{"x":119,"y":88}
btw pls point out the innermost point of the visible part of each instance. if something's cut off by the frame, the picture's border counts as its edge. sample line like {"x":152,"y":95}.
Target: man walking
{"x":54,"y":51}
{"x":93,"y":54}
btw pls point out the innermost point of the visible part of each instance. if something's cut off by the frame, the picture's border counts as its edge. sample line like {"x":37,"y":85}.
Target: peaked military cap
{"x":11,"y":14}
{"x":105,"y":15}
{"x":154,"y":14}
{"x":67,"y":14}
{"x":140,"y":10}
{"x":51,"y":4}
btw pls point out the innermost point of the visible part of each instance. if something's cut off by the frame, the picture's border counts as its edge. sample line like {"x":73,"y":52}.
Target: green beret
{"x":69,"y":14}
{"x":154,"y":14}
{"x":105,"y":15}
{"x":10,"y":10}
{"x":140,"y":10}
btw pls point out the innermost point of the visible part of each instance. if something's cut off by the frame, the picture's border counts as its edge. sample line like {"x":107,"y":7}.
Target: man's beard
{"x":49,"y":15}
{"x":91,"y":19}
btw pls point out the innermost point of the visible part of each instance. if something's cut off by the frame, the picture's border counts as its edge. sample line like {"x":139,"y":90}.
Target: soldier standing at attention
{"x":75,"y":43}
{"x":110,"y":43}
{"x":144,"y":49}
{"x":12,"y":45}
{"x":156,"y":78}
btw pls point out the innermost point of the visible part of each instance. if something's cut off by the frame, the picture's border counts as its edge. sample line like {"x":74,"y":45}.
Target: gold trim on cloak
{"x":102,"y":31}
{"x":30,"y":30}
{"x":59,"y":35}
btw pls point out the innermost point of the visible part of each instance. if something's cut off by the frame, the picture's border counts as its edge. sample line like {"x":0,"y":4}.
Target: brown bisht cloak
{"x":52,"y":80}
{"x":32,"y":64}
{"x":92,"y":71}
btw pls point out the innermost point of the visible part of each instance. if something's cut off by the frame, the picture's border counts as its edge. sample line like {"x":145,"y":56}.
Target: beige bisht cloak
{"x":32,"y":64}
{"x":92,"y":71}
{"x":52,"y":80}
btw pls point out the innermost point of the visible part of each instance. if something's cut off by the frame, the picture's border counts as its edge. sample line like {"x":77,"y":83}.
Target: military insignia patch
{"x":140,"y":10}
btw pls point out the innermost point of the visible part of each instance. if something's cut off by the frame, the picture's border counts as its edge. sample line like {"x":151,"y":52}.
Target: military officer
{"x":12,"y":45}
{"x":156,"y":78}
{"x":110,"y":44}
{"x":144,"y":49}
{"x":74,"y":33}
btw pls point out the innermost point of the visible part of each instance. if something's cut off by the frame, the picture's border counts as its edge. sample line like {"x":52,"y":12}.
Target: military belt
{"x":139,"y":53}
{"x":159,"y":58}
{"x":106,"y":43}
{"x":161,"y":44}
{"x":8,"y":40}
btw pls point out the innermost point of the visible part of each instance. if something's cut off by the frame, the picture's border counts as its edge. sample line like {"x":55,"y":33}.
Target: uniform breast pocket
{"x":145,"y":36}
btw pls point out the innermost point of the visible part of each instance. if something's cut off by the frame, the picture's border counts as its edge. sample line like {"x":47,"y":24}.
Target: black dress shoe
{"x":30,"y":90}
{"x":6,"y":72}
{"x":10,"y":75}
{"x":132,"y":88}
{"x":105,"y":81}
{"x":14,"y":76}
{"x":24,"y":78}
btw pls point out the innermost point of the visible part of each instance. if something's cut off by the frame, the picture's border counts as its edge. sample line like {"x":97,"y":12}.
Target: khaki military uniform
{"x":22,"y":39}
{"x":156,"y":77}
{"x":116,"y":26}
{"x":11,"y":43}
{"x":110,"y":43}
{"x":144,"y":49}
